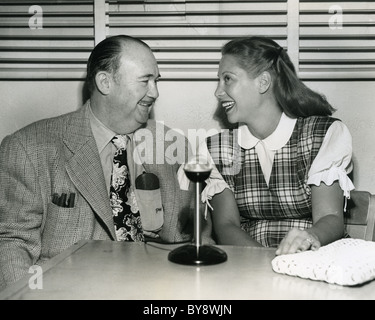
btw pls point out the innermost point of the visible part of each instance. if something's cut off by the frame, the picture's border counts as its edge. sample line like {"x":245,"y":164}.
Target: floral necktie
{"x":122,"y":197}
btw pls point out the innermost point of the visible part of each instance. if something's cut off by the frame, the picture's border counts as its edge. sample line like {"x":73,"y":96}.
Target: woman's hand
{"x":298,"y":240}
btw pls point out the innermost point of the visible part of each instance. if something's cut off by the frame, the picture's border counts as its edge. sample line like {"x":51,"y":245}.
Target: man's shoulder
{"x":45,"y":128}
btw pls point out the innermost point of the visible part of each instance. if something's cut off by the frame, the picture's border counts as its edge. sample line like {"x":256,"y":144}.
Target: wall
{"x":192,"y":105}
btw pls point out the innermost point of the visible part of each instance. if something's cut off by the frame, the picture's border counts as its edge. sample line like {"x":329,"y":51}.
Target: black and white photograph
{"x":187,"y":156}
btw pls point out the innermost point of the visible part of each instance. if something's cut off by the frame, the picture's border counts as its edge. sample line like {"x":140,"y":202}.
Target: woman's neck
{"x":265,"y":122}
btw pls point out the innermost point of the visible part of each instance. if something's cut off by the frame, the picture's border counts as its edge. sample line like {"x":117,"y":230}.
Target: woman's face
{"x":237,"y":92}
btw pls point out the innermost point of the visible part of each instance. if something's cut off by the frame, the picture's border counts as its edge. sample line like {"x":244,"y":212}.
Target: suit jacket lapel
{"x":84,"y":166}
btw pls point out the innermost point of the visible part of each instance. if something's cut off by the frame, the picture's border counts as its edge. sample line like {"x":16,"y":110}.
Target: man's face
{"x":134,"y":90}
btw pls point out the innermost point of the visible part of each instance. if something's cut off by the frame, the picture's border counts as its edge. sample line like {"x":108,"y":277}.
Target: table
{"x":138,"y":271}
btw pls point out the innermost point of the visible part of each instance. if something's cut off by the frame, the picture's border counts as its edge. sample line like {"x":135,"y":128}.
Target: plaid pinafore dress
{"x":268,"y":212}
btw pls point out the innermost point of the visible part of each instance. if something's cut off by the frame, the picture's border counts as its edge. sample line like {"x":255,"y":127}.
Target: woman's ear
{"x":264,"y":82}
{"x":103,"y":82}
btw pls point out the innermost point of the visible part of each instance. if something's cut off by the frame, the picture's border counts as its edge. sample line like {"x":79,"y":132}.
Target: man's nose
{"x":153,"y":91}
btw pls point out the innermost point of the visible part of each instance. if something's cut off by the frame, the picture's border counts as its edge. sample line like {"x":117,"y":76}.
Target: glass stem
{"x":197,"y":220}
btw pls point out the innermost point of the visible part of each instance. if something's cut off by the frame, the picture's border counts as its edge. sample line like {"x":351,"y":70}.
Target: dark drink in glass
{"x":197,"y":172}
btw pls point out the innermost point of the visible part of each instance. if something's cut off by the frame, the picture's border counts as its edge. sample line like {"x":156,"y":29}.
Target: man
{"x":55,"y":174}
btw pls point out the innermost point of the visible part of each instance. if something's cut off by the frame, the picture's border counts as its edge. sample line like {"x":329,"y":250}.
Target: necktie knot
{"x":120,"y":141}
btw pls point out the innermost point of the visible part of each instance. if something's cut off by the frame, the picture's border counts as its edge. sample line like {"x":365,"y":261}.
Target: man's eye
{"x":227,"y":78}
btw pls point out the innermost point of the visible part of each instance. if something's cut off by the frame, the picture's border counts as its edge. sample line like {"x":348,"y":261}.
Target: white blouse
{"x":332,"y":163}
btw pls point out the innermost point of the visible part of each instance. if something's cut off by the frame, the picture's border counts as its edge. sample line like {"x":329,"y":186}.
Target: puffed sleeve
{"x":334,"y":159}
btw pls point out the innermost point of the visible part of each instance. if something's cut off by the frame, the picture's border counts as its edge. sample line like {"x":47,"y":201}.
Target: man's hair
{"x":106,"y":57}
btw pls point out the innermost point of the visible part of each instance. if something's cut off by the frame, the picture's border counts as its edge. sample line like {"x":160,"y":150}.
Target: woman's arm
{"x":328,"y":212}
{"x":226,"y":221}
{"x":329,"y":185}
{"x":328,"y":221}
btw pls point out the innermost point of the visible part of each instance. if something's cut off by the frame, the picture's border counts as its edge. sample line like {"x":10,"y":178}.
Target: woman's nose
{"x":219,"y":92}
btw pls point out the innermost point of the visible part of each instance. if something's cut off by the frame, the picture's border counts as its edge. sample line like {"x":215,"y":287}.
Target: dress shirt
{"x":103,"y":136}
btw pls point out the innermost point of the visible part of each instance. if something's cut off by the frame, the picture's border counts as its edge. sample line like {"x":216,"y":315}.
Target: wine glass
{"x":197,"y":170}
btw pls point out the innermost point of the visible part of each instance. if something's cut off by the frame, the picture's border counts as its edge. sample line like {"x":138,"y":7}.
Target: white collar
{"x":275,"y":141}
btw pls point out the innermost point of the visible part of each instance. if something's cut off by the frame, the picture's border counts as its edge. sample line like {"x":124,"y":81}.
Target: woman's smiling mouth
{"x":228,"y":105}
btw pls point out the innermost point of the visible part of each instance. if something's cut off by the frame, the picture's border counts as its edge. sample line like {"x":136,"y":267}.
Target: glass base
{"x":189,"y":255}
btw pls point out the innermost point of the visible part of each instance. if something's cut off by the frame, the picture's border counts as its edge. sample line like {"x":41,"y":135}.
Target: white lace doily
{"x":345,"y":262}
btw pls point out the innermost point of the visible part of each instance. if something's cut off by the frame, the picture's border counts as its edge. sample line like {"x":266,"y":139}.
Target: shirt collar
{"x":275,"y":141}
{"x":102,"y":134}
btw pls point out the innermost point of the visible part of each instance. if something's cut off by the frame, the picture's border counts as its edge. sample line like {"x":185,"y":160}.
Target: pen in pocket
{"x":61,"y":201}
{"x":71,"y":200}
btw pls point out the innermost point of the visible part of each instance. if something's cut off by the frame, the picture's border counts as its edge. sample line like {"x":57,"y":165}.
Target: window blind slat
{"x":42,"y":74}
{"x":339,"y":44}
{"x":58,"y":32}
{"x":45,"y":55}
{"x":239,"y":6}
{"x":347,"y":31}
{"x":348,"y":19}
{"x":343,"y":57}
{"x":345,"y":6}
{"x":194,"y":43}
{"x":231,"y":31}
{"x":15,"y":9}
{"x":42,"y":45}
{"x":48,"y":22}
{"x":200,"y":20}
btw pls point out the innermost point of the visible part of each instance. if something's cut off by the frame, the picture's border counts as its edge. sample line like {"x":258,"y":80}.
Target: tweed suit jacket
{"x":60,"y":155}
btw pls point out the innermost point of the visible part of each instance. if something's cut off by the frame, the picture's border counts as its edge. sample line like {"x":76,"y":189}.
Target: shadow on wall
{"x":85,"y":93}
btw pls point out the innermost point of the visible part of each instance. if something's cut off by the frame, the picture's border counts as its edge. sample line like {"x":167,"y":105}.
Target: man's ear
{"x":264,"y":81}
{"x":103,"y":82}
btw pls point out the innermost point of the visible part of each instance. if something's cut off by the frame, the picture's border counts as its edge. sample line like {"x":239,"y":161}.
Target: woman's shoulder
{"x":317,"y":120}
{"x":316,"y":124}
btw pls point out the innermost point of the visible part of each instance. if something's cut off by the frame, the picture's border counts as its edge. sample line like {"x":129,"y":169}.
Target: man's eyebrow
{"x":150,"y":75}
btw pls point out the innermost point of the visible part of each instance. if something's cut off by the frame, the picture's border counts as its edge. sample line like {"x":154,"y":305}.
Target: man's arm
{"x":21,"y":211}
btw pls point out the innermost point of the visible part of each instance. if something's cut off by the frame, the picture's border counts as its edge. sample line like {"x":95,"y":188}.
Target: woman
{"x":280,"y":179}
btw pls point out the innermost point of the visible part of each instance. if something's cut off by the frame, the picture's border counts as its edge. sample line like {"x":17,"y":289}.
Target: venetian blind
{"x":337,"y":40}
{"x":327,"y":39}
{"x":45,"y":39}
{"x":187,"y":35}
